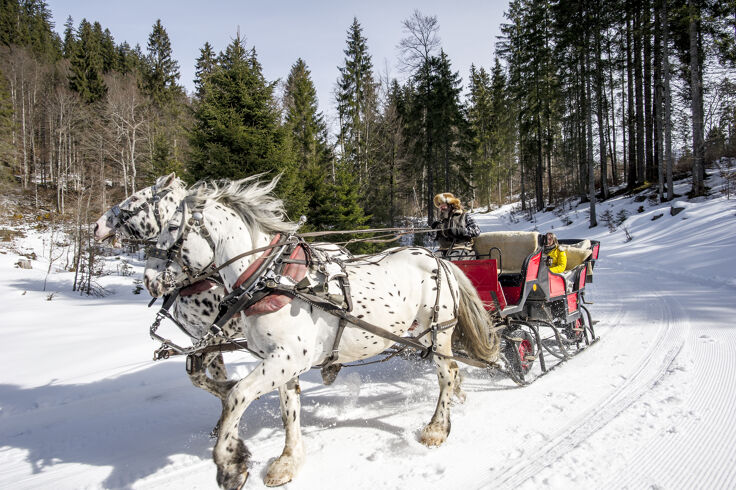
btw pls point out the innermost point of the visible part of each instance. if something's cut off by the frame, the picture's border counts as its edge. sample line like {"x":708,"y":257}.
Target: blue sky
{"x":283,"y":31}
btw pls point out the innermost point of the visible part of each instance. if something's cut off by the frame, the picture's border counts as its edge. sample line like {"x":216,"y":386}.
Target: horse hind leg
{"x":436,"y":432}
{"x":457,"y":383}
{"x":285,"y":467}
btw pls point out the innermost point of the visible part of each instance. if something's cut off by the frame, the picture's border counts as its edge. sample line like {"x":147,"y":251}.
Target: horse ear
{"x":166,"y":180}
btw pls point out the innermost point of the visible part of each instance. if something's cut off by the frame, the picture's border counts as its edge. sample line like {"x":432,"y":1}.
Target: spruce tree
{"x":68,"y":46}
{"x":237,"y":131}
{"x":86,"y":65}
{"x":28,"y":23}
{"x":303,"y":119}
{"x":108,"y":52}
{"x":162,"y":70}
{"x":356,"y":103}
{"x":204,"y":66}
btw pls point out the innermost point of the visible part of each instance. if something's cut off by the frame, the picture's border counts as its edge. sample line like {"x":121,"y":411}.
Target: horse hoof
{"x":329,"y":373}
{"x":433,"y":435}
{"x":237,"y":484}
{"x":277,"y":479}
{"x":281,"y":471}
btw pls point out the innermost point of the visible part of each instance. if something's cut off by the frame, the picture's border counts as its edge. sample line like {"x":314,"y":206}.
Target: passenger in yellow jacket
{"x":556,"y":258}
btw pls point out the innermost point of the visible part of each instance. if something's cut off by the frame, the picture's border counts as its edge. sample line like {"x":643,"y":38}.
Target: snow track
{"x":649,"y":371}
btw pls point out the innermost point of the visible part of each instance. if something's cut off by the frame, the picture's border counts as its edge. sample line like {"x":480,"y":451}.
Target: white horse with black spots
{"x":399,"y":290}
{"x":140,"y":218}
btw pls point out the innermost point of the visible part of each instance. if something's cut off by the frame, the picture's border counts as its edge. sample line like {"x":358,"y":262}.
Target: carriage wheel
{"x":520,"y":353}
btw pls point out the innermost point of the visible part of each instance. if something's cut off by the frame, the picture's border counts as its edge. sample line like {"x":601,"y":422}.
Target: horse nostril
{"x":97,"y":227}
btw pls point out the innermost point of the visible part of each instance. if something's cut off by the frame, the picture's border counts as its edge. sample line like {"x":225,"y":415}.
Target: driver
{"x":556,"y":257}
{"x":455,"y":228}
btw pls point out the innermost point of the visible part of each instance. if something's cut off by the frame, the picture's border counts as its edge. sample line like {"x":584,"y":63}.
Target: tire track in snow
{"x":650,"y":370}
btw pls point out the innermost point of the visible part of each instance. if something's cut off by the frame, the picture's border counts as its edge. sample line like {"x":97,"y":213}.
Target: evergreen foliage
{"x":356,"y":99}
{"x":581,"y":97}
{"x":237,"y":130}
{"x":162,"y":70}
{"x":87,"y":64}
{"x":204,"y":66}
{"x":331,"y":189}
{"x":28,"y":23}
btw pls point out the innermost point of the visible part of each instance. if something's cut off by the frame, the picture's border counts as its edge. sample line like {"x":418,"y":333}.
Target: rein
{"x":263,"y":281}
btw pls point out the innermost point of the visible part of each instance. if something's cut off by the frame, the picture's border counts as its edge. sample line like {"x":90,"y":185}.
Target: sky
{"x":283,"y":31}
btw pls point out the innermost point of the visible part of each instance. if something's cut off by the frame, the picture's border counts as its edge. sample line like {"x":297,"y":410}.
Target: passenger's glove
{"x":549,"y":261}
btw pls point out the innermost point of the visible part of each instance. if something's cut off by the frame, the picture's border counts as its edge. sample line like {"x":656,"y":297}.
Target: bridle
{"x":173,"y":254}
{"x":125,"y":215}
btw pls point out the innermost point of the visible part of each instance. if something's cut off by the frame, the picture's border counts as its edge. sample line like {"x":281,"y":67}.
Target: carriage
{"x":535,"y":309}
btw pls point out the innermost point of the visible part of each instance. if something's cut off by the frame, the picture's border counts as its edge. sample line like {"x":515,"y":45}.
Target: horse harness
{"x":273,"y":275}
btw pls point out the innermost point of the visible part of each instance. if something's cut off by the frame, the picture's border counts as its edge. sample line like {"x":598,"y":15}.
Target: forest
{"x":582,"y":100}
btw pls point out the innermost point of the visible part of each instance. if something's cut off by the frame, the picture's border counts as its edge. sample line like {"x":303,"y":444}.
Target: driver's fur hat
{"x":446,"y":197}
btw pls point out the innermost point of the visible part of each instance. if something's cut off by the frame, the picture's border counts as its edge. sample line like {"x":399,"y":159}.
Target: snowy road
{"x":649,"y":406}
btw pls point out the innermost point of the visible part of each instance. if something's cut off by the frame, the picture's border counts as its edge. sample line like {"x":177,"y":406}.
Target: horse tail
{"x":474,"y":330}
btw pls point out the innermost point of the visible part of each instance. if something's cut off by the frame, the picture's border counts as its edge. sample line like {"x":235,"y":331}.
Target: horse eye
{"x":173,"y":228}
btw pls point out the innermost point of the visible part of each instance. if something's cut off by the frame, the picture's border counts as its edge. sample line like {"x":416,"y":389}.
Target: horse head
{"x":213,"y":224}
{"x":184,"y":248}
{"x":142,"y":214}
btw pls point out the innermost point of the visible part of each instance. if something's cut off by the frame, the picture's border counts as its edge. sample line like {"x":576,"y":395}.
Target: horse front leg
{"x":219,"y":386}
{"x":285,"y":467}
{"x":217,"y":369}
{"x":230,"y":454}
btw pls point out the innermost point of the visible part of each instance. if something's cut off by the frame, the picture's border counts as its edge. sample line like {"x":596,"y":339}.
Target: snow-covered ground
{"x":649,"y":406}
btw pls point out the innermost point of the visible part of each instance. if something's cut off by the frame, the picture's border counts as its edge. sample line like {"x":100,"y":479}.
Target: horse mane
{"x":250,"y":198}
{"x":176,"y":183}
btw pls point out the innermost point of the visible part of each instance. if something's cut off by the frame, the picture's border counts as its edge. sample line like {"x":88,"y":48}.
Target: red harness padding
{"x":275,"y":301}
{"x":198,"y":287}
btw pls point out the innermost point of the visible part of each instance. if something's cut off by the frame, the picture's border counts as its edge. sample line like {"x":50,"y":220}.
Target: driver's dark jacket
{"x":457,"y":229}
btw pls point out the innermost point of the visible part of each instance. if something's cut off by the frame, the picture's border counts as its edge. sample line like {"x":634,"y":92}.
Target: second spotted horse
{"x":415,"y":297}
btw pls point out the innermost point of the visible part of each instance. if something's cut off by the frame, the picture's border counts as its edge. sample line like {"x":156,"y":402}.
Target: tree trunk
{"x":696,"y":92}
{"x":667,"y":101}
{"x":601,"y":96}
{"x":631,"y":181}
{"x":658,"y":100}
{"x":612,"y":138}
{"x":539,"y":175}
{"x":639,"y":102}
{"x":589,"y":130}
{"x":648,"y":109}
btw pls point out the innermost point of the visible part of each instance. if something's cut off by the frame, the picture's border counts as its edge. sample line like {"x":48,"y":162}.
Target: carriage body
{"x":536,"y":309}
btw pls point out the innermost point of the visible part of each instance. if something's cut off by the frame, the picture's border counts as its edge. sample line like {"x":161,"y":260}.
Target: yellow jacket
{"x":559,"y":260}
